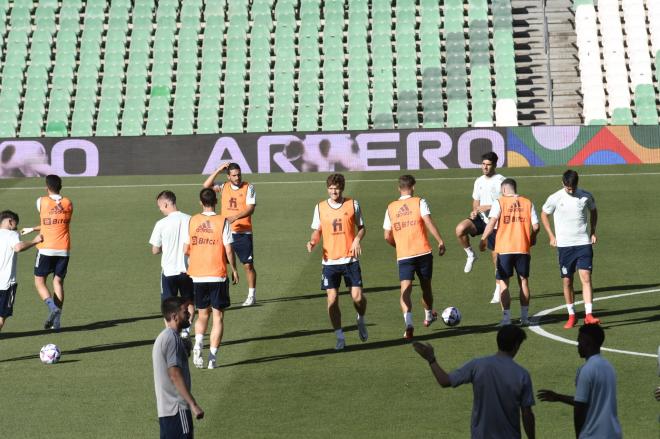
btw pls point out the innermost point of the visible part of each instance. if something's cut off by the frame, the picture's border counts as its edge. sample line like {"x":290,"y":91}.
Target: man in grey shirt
{"x":501,"y":388}
{"x":171,"y":374}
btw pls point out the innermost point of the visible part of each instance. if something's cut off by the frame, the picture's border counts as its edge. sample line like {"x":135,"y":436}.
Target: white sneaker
{"x":251,"y":300}
{"x":469,"y":263}
{"x":57,"y":321}
{"x":362,"y":329}
{"x":212,"y":360}
{"x":496,"y":295}
{"x":341,"y":344}
{"x":185,"y":333}
{"x":198,"y":361}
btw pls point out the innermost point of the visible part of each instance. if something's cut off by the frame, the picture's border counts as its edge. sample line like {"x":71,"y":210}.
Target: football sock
{"x":199,"y":341}
{"x":469,"y":252}
{"x":429,"y":314}
{"x":51,"y":304}
{"x":407,"y":317}
{"x":252,"y":292}
{"x":214,"y":351}
{"x":524,"y":312}
{"x":570,"y":308}
{"x":588,"y":308}
{"x":339,"y":333}
{"x":506,"y":315}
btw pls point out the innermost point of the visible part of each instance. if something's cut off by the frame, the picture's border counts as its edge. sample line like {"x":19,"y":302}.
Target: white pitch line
{"x":365,"y":180}
{"x":543,"y":333}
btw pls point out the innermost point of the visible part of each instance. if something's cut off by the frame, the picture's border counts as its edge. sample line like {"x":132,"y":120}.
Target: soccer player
{"x":238,"y":203}
{"x":594,"y":403}
{"x":10,"y":246}
{"x":501,"y":388}
{"x":486,"y":190}
{"x":55,"y":212}
{"x":339,"y":221}
{"x":405,"y":224}
{"x":167,"y":240}
{"x":569,"y":207}
{"x":208,"y":243}
{"x":516,"y":233}
{"x":174,"y":400}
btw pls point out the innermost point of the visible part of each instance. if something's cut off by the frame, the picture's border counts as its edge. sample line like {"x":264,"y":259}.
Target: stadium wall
{"x":326,"y":152}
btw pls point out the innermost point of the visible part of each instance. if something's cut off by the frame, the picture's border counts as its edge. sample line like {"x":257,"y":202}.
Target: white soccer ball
{"x":50,"y":354}
{"x":451,"y":316}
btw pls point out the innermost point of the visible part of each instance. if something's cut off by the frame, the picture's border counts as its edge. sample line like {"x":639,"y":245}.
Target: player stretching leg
{"x":339,"y":221}
{"x":406,"y":221}
{"x":55,"y":213}
{"x":238,"y":204}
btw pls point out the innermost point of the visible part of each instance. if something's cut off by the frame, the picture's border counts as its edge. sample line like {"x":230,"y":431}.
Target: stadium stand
{"x":155,"y":67}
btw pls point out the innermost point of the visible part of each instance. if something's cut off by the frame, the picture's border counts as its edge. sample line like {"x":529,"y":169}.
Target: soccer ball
{"x":451,"y":316}
{"x":50,"y":354}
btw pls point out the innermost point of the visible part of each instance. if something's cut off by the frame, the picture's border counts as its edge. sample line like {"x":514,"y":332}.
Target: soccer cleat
{"x":434,"y":317}
{"x":198,"y":361}
{"x":362,"y":329}
{"x":212,"y":362}
{"x":185,"y":333}
{"x":589,"y":319}
{"x":57,"y":321}
{"x":525,"y":322}
{"x":51,"y":318}
{"x":571,"y":322}
{"x":408,"y":334}
{"x":504,"y":322}
{"x":341,"y":344}
{"x":469,"y":263}
{"x":251,"y":300}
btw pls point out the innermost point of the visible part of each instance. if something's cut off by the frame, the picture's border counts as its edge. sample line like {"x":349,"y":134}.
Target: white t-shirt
{"x":8,"y":239}
{"x":571,"y":216}
{"x":169,"y":234}
{"x":486,"y":191}
{"x":316,"y":225}
{"x":595,"y":385}
{"x":423,"y":210}
{"x":227,"y":238}
{"x":496,"y":209}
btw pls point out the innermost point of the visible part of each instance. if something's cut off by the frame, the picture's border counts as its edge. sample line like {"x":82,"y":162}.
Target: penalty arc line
{"x":364,"y":180}
{"x":543,"y":333}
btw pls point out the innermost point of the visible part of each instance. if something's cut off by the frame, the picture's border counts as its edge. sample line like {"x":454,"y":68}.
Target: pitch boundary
{"x":364,"y":180}
{"x":543,"y":333}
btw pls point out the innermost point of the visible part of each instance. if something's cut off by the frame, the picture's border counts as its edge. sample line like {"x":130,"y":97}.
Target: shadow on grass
{"x":613,"y":288}
{"x":86,"y":327}
{"x":322,"y":295}
{"x":89,"y":349}
{"x":603,"y":314}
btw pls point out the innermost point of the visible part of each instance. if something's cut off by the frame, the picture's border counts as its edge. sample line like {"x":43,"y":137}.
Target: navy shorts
{"x":180,"y":284}
{"x":45,"y":265}
{"x":7,"y":301}
{"x":243,"y":247}
{"x":579,"y":257}
{"x":213,"y":294}
{"x":422,"y":265}
{"x":332,"y":274}
{"x":480,"y":225}
{"x":179,"y":426}
{"x":507,"y":263}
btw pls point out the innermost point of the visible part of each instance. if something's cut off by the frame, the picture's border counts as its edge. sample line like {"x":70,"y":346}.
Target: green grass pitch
{"x":279,"y":375}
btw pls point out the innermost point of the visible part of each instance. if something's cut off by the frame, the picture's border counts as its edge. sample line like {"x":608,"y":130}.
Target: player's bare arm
{"x":231,"y":257}
{"x":356,"y":248}
{"x":24,"y":245}
{"x":593,"y":222}
{"x":389,"y":237}
{"x":487,"y":232}
{"x":313,"y":240}
{"x":155,"y":250}
{"x":177,"y":379}
{"x":425,"y":350}
{"x":528,"y":422}
{"x":428,"y":221}
{"x":249,"y":210}
{"x":550,"y":396}
{"x":535,"y":231}
{"x":475,"y":209}
{"x":27,"y":230}
{"x":545,"y":219}
{"x":209,"y":182}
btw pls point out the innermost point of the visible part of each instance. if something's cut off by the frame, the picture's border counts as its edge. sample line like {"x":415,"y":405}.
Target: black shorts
{"x":579,"y":257}
{"x":480,"y":225}
{"x":180,"y":284}
{"x":332,"y":274}
{"x":422,"y":265}
{"x":45,"y":265}
{"x":243,"y":248}
{"x":213,"y":294}
{"x":179,"y":426}
{"x":508,"y":262}
{"x":7,"y":301}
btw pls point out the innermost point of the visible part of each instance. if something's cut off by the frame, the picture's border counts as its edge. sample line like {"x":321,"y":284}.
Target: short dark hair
{"x":491,"y":156}
{"x":511,"y":182}
{"x":594,"y":332}
{"x":171,"y":306}
{"x":232,"y":166}
{"x":570,"y":178}
{"x":54,"y":182}
{"x":406,"y":181}
{"x":207,"y":197}
{"x":167,"y":195}
{"x":510,"y":336}
{"x":8,"y":214}
{"x":336,"y":180}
